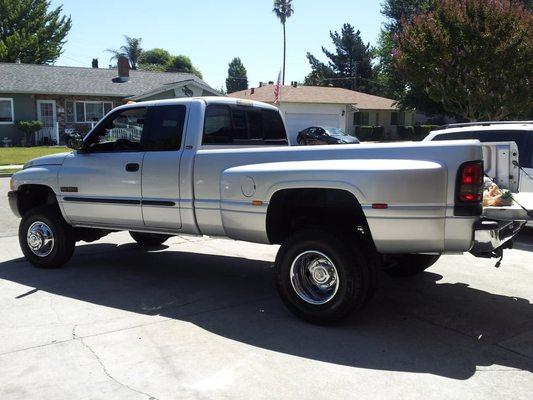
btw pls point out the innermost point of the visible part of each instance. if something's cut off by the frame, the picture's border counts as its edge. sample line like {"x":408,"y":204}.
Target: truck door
{"x":162,"y":142}
{"x":101,"y":185}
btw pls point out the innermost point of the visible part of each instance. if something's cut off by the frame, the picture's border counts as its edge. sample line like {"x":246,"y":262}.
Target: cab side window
{"x":121,"y":131}
{"x":241,"y":125}
{"x":218,"y":128}
{"x":164,"y":129}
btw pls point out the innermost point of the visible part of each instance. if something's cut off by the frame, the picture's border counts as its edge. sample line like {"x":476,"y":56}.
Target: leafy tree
{"x":474,"y":57}
{"x":390,"y":82}
{"x":182,"y":63}
{"x":283,"y":10}
{"x":154,"y":60}
{"x":132,"y":50}
{"x":349,"y":66}
{"x":30,"y":32}
{"x":237,"y":78}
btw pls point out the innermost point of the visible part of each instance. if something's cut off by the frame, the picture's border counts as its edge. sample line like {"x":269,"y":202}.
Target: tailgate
{"x":514,"y":212}
{"x":500,"y":161}
{"x":498,"y":225}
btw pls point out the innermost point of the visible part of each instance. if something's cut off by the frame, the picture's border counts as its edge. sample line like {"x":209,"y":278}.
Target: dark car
{"x":324,"y":135}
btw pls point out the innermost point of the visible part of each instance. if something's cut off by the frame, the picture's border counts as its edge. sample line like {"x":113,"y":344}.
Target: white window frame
{"x":10,"y":99}
{"x":85,"y":102}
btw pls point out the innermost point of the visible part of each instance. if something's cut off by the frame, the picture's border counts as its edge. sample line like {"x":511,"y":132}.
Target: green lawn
{"x":19,"y":155}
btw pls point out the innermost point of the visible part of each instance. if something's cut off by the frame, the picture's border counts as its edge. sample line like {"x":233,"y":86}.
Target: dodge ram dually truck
{"x":224,"y":167}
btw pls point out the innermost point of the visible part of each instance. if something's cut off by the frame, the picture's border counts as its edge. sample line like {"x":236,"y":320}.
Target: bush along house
{"x":71,"y":99}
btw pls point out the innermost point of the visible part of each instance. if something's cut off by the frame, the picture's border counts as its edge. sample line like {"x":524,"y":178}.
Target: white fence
{"x":131,"y":133}
{"x":48,"y":134}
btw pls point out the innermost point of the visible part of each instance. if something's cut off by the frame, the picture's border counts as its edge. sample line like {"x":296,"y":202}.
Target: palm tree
{"x":131,"y":50}
{"x":283,"y":10}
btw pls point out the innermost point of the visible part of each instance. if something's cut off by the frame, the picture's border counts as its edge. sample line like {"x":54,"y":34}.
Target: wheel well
{"x":293,"y":209}
{"x":31,"y":196}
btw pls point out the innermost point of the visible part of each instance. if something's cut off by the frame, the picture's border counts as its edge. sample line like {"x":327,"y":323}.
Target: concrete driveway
{"x":199,"y":318}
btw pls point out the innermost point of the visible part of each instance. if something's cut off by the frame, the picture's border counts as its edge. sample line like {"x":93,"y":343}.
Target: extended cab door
{"x":101,"y":185}
{"x":162,"y":142}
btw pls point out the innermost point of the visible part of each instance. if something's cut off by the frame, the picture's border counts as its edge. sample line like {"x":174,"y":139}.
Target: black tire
{"x":60,"y":252}
{"x":406,"y":265}
{"x":351,"y":267}
{"x":149,"y":239}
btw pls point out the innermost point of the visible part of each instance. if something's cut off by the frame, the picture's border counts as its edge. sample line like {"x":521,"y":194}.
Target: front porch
{"x":64,"y":115}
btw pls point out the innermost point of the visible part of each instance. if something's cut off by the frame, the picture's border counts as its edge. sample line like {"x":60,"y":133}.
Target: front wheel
{"x":149,"y":239}
{"x":320,"y":277}
{"x":406,"y":265}
{"x":46,"y":240}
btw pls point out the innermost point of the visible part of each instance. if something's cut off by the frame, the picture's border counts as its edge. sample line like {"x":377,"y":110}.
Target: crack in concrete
{"x":108,"y":374}
{"x":171,"y":318}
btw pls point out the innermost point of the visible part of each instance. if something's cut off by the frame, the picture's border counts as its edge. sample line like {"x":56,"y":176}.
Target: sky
{"x":212,"y":32}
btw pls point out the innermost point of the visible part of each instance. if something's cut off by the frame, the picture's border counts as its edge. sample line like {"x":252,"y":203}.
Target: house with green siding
{"x":72,"y":99}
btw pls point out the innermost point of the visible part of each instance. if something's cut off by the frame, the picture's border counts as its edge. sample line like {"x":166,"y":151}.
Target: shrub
{"x":370,"y":133}
{"x":379,"y":133}
{"x":28,"y":127}
{"x":421,"y":131}
{"x":406,"y":132}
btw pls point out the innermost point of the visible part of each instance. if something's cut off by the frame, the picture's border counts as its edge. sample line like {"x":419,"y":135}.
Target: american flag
{"x":277,"y":90}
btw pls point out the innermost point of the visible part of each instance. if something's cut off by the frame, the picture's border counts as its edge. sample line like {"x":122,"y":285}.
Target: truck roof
{"x":207,"y":100}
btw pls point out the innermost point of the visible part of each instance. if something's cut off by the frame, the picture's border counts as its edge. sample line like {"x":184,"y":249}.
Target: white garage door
{"x":297,"y":122}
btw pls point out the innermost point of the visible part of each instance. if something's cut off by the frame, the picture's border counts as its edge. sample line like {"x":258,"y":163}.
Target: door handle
{"x":132,"y":167}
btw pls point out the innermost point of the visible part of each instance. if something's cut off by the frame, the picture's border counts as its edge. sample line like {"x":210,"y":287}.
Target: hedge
{"x":370,"y":133}
{"x":421,"y":131}
{"x":406,"y":132}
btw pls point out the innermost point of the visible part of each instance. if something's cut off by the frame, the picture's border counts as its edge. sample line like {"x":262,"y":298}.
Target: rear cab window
{"x":523,"y":139}
{"x":242,"y":125}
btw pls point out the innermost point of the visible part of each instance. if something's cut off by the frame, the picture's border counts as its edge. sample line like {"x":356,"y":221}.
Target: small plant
{"x":28,"y":127}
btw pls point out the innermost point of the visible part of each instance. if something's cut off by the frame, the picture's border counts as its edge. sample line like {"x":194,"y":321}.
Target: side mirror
{"x":74,"y":141}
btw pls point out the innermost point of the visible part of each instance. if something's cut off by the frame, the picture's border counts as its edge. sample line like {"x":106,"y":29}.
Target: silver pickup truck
{"x":223,"y":167}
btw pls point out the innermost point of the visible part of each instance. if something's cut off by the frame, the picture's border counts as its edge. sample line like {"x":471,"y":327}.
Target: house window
{"x":361,"y":118}
{"x":69,"y":111}
{"x":86,"y":111}
{"x":7,"y":116}
{"x":397,"y":118}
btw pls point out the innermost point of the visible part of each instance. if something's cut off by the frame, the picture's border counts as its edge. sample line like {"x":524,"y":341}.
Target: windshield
{"x":335,"y":132}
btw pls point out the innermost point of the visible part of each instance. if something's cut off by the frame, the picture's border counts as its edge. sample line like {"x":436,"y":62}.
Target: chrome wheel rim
{"x":314,"y":277}
{"x":40,"y":239}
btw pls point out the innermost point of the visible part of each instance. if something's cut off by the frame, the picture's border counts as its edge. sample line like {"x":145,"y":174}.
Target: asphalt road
{"x":199,"y":318}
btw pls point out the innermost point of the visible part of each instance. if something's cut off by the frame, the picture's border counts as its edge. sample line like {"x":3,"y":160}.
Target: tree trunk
{"x":284,"y":54}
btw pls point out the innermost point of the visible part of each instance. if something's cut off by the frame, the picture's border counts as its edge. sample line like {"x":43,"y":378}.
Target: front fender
{"x":46,"y":175}
{"x":43,"y":175}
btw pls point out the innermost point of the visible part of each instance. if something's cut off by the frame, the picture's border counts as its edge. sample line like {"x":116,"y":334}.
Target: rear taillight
{"x":469,"y":189}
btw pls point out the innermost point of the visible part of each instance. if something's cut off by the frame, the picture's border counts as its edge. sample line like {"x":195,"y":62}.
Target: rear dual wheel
{"x":322,"y":277}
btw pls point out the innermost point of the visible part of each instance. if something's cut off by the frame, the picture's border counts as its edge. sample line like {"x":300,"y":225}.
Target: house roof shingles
{"x":318,"y":94}
{"x":49,"y":79}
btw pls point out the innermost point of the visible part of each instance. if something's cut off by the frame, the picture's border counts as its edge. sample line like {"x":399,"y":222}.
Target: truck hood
{"x":52,"y":159}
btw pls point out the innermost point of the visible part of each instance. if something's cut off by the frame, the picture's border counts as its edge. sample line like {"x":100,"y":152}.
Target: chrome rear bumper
{"x":490,"y":237}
